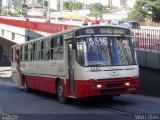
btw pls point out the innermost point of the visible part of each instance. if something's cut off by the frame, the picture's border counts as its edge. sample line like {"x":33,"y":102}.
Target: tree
{"x":97,"y":9}
{"x":138,"y":13}
{"x":72,"y":6}
{"x":156,"y":11}
{"x":45,"y":3}
{"x":66,"y":5}
{"x":145,"y":10}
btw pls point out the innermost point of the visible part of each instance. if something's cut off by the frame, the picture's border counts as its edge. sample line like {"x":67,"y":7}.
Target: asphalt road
{"x":149,"y":82}
{"x":15,"y":103}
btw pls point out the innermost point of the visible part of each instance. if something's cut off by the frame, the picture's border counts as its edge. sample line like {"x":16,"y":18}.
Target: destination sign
{"x":103,"y":30}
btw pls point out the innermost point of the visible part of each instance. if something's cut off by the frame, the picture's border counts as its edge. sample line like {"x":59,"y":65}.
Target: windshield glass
{"x":105,"y":51}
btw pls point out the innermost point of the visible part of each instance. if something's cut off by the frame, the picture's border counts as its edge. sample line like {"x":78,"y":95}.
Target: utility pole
{"x":48,"y":11}
{"x":7,"y":8}
{"x":43,"y":8}
{"x":21,"y":8}
{"x":82,"y":9}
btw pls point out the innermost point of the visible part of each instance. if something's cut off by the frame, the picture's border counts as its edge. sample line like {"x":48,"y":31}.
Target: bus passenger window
{"x":13,"y":54}
{"x":33,"y":52}
{"x":57,"y":48}
{"x":21,"y":54}
{"x":80,"y":54}
{"x":26,"y":53}
{"x":30,"y":52}
{"x":37,"y":50}
{"x":45,"y":53}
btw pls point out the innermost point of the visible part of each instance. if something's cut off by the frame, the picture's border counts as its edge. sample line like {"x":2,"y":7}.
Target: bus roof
{"x":107,"y":25}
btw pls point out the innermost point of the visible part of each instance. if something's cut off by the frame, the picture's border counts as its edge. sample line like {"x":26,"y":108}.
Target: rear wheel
{"x":60,"y":92}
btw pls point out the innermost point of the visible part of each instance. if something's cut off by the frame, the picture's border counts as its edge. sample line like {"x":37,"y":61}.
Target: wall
{"x":148,"y":59}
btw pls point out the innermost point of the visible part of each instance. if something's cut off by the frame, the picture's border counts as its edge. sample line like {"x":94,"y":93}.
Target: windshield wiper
{"x":96,"y":65}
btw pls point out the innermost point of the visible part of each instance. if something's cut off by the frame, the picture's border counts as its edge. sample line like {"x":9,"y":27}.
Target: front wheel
{"x":60,"y":92}
{"x":25,"y":86}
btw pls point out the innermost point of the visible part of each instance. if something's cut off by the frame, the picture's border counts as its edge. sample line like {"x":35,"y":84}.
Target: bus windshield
{"x":105,"y":51}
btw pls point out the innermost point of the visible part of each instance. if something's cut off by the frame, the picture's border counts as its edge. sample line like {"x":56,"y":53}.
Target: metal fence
{"x":147,"y":39}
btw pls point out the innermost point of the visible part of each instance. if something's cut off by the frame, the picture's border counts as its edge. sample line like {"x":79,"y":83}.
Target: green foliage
{"x":24,"y":6}
{"x":52,"y":10}
{"x":97,"y":9}
{"x":145,"y":10}
{"x":72,"y":6}
{"x":7,"y":12}
{"x":45,"y":3}
{"x":66,"y":5}
{"x":156,"y":11}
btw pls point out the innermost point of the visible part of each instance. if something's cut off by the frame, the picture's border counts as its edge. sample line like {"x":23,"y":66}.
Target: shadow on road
{"x":149,"y":82}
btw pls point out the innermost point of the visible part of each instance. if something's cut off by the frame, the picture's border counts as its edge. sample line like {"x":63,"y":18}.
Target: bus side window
{"x":26,"y":52}
{"x":57,"y":48}
{"x":33,"y":52}
{"x":29,"y":51}
{"x":45,"y":53}
{"x":13,"y":54}
{"x":80,"y":53}
{"x":23,"y":52}
{"x":37,"y":50}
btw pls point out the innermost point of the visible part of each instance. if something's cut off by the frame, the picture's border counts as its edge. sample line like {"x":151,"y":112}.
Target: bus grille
{"x":113,"y":91}
{"x":111,"y":85}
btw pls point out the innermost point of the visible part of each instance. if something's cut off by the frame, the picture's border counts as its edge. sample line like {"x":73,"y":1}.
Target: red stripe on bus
{"x":85,"y":88}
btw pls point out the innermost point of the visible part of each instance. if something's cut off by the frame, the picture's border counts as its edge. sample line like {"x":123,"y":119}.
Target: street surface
{"x":149,"y":82}
{"x":15,"y":103}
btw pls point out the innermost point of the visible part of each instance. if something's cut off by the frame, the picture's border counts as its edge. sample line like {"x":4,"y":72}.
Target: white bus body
{"x":61,"y":63}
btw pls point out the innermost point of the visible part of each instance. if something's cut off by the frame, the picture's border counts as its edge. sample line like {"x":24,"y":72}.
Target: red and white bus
{"x":87,"y":61}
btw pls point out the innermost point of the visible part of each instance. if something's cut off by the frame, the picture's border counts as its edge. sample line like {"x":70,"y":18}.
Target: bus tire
{"x":60,"y":92}
{"x":25,"y":86}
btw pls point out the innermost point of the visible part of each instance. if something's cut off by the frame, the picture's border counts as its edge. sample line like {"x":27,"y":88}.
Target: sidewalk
{"x":5,"y":71}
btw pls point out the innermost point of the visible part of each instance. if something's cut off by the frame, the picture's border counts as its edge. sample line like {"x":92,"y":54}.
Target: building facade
{"x":70,"y":0}
{"x":56,"y":5}
{"x":120,"y":3}
{"x":7,"y":3}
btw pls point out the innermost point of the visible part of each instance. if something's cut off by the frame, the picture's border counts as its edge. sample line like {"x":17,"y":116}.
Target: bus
{"x":95,"y":60}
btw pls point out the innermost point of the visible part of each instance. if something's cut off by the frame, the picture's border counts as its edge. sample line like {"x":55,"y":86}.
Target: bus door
{"x":14,"y":66}
{"x":18,"y":64}
{"x":71,"y":68}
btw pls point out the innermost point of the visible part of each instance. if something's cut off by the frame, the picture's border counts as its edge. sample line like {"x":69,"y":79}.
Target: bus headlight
{"x":127,"y":84}
{"x":99,"y":86}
